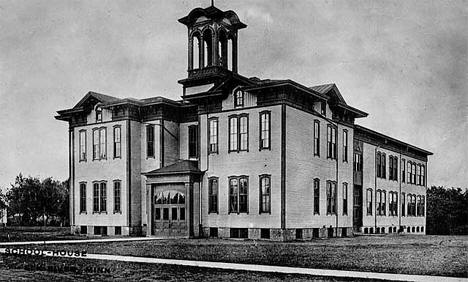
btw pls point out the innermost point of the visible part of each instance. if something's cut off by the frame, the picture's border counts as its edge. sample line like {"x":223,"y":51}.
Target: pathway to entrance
{"x":258,"y":268}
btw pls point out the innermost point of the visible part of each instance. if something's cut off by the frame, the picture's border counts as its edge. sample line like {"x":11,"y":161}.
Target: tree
{"x":33,"y":199}
{"x":447,"y":211}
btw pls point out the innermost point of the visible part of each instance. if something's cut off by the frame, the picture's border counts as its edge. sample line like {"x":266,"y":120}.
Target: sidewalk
{"x":80,"y":241}
{"x":265,"y":268}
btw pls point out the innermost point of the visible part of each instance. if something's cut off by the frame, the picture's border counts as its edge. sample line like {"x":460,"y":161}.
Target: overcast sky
{"x":403,"y":62}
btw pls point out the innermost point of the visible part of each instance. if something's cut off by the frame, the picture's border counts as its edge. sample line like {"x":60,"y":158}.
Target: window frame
{"x":82,"y":152}
{"x":213,"y":148}
{"x":150,"y":136}
{"x":98,"y":114}
{"x":239,"y":95}
{"x":117,"y":149}
{"x":237,"y":195}
{"x":369,"y":203}
{"x":331,"y":197}
{"x":100,"y":146}
{"x":213,"y":197}
{"x":193,"y":144}
{"x":331,"y":142}
{"x":345,"y":145}
{"x":117,"y":196}
{"x":234,"y":133}
{"x":403,"y":204}
{"x":267,"y":131}
{"x":403,"y":170}
{"x":345,"y":198}
{"x":316,"y":196}
{"x":317,"y":138}
{"x":265,"y":198}
{"x":100,"y":198}
{"x":83,"y":197}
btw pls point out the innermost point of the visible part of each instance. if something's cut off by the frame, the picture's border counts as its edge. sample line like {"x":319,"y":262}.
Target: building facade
{"x":237,"y":157}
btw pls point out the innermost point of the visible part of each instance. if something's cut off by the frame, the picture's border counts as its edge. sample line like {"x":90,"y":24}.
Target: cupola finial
{"x":212,"y":3}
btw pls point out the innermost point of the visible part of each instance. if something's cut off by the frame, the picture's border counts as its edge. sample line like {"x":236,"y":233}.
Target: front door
{"x":357,"y":208}
{"x":170,"y":213}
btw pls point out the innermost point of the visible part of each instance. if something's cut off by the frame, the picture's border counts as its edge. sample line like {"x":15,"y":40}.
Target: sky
{"x":403,"y":62}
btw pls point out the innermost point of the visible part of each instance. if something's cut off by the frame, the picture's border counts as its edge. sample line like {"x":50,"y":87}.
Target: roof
{"x":374,"y":133}
{"x":212,"y":13}
{"x":181,"y":167}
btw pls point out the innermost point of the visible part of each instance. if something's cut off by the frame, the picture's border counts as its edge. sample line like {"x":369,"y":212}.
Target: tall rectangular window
{"x":244,"y":133}
{"x":403,"y":204}
{"x":213,"y":127}
{"x":357,"y":163}
{"x":233,"y":139}
{"x":378,"y":201}
{"x":150,"y":141}
{"x":193,"y":141}
{"x":95,"y":197}
{"x":331,"y":142}
{"x":369,"y":201}
{"x":239,"y":133}
{"x":323,"y":108}
{"x":117,"y":142}
{"x":384,"y":203}
{"x":103,"y":143}
{"x":316,"y":196}
{"x":395,"y":168}
{"x":316,"y":138}
{"x":82,"y":145}
{"x":414,"y":173}
{"x":238,"y":194}
{"x":213,"y":195}
{"x":331,"y":197}
{"x":117,"y":196}
{"x":378,"y":159}
{"x":345,"y":145}
{"x":403,"y":172}
{"x":345,"y":198}
{"x":265,"y":194}
{"x":390,"y":165}
{"x":423,"y":175}
{"x":265,"y":130}
{"x":103,"y":197}
{"x":409,"y":166}
{"x":82,"y":197}
{"x":95,"y":144}
{"x":384,"y":165}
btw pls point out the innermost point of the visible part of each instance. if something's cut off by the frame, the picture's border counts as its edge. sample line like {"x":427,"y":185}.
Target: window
{"x":265,"y":127}
{"x":403,"y":173}
{"x":331,"y":197}
{"x":317,"y":138}
{"x":403,"y":204}
{"x":239,"y":133}
{"x":414,"y":173}
{"x":381,"y":202}
{"x":408,"y":179}
{"x":369,"y":201}
{"x":117,"y":196}
{"x":345,"y":145}
{"x":383,"y":158}
{"x":213,"y":195}
{"x":316,"y":196}
{"x":193,"y":141}
{"x":331,"y":142}
{"x":83,"y":197}
{"x":117,"y":142}
{"x":345,"y":198}
{"x":379,"y":165}
{"x":423,"y":175}
{"x":238,"y":98}
{"x":82,"y":145}
{"x":98,"y":114}
{"x":323,"y":108}
{"x":265,"y":194}
{"x":390,"y":171}
{"x":395,"y":168}
{"x":423,"y":206}
{"x":150,"y":141}
{"x":238,"y":194}
{"x":418,"y":173}
{"x":357,"y":163}
{"x":99,"y":143}
{"x":213,"y":127}
{"x":411,"y":205}
{"x":393,"y":203}
{"x":99,"y":197}
{"x":233,"y":138}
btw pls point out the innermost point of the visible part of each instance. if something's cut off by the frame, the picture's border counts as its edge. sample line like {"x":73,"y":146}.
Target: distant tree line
{"x":447,"y":211}
{"x":31,"y":201}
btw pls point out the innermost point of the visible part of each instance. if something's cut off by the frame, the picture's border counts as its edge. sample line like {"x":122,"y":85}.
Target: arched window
{"x":238,"y":98}
{"x":208,"y":42}
{"x":196,"y":45}
{"x":223,"y":48}
{"x":98,"y":114}
{"x":369,"y":201}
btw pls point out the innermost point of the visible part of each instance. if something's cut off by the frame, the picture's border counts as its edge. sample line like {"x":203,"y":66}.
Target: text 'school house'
{"x":237,"y":157}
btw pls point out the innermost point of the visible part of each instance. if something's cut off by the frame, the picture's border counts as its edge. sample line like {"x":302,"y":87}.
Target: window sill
{"x":83,"y":212}
{"x":96,"y":212}
{"x":117,"y":212}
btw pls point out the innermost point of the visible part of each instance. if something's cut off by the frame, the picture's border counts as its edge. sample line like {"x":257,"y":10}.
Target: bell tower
{"x":212,"y":43}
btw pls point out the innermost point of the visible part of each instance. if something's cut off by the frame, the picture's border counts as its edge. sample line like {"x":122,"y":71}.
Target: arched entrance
{"x":170,"y":212}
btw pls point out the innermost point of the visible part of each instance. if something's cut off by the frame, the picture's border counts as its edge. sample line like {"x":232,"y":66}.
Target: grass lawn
{"x":409,"y":254}
{"x":36,"y":233}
